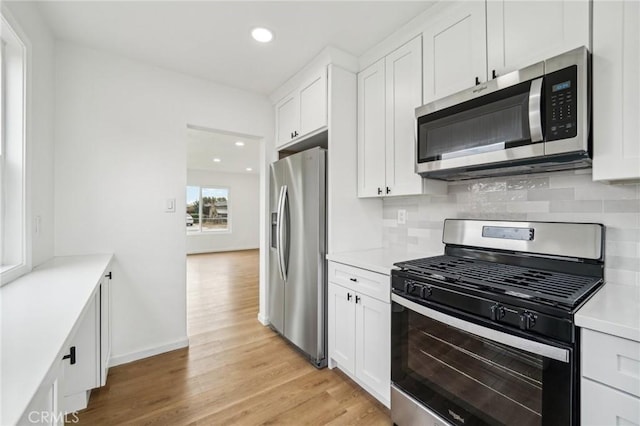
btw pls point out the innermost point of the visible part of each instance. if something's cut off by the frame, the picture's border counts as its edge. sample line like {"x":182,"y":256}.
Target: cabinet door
{"x":455,"y":50}
{"x":616,"y":90}
{"x":373,"y":345}
{"x":371,"y":130}
{"x":287,"y":119}
{"x":522,"y":33}
{"x":602,"y":405}
{"x":85,"y":373}
{"x":44,"y":408}
{"x":105,"y":329}
{"x":341,"y":321}
{"x":404,"y":95}
{"x":313,"y":103}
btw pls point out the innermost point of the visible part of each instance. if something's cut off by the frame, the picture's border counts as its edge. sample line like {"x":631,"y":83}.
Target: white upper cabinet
{"x":616,"y":90}
{"x":389,"y":91}
{"x":303,"y":111}
{"x":455,"y":50}
{"x":313,"y":103}
{"x":287,"y":119}
{"x":404,"y":95}
{"x":371,"y":130}
{"x":520,"y":33}
{"x":464,"y":44}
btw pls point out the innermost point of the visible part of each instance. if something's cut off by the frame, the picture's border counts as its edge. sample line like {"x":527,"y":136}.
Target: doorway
{"x":222,"y":211}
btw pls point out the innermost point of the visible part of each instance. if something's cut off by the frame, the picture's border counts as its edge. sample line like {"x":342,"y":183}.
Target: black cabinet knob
{"x":379,"y":191}
{"x":477,"y":81}
{"x":388,"y":190}
{"x":493,"y":74}
{"x":357,"y":299}
{"x":349,"y":296}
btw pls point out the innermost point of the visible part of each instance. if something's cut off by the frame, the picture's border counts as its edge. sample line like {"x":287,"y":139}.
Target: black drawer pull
{"x":355,"y":280}
{"x":72,"y":355}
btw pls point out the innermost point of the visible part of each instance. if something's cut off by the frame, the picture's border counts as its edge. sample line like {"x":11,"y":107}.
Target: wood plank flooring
{"x":235,"y":372}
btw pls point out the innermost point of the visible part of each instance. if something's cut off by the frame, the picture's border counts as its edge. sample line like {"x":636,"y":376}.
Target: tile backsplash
{"x":569,"y":196}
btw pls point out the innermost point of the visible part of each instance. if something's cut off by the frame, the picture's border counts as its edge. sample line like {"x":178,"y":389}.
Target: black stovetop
{"x":521,"y":282}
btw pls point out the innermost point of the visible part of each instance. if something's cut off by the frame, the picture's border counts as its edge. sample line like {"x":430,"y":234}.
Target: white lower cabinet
{"x":610,"y":385}
{"x":359,"y":336}
{"x":46,"y":406}
{"x":87,"y":353}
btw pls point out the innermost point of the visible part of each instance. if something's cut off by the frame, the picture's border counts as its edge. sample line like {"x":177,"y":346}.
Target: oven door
{"x":445,"y":367}
{"x":495,"y":122}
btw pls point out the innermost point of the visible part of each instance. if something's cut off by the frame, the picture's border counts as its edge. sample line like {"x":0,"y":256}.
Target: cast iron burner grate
{"x":519,"y":281}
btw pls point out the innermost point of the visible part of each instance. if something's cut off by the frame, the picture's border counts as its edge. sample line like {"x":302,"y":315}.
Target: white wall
{"x":120,"y":153}
{"x":244,"y":205}
{"x":40,"y":98}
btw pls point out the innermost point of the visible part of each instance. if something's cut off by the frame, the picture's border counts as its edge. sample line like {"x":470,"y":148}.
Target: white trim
{"x":263,"y":319}
{"x":138,"y":355}
{"x":27,"y":243}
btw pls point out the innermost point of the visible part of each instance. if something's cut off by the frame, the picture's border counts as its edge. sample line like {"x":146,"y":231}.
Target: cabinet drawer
{"x":601,"y":405}
{"x":360,"y":280}
{"x":611,"y":360}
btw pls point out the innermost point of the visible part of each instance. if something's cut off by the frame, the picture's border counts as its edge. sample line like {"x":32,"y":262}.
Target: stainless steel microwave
{"x":531,"y":120}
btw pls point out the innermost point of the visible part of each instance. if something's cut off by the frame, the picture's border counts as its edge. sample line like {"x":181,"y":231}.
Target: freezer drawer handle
{"x":71,"y":356}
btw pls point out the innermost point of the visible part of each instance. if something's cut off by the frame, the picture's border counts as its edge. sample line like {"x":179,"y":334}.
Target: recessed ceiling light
{"x":248,"y":169}
{"x":239,"y":143}
{"x":216,"y":160}
{"x":262,"y":35}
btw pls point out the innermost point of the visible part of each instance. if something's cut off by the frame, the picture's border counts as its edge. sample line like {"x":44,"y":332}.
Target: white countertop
{"x":39,"y":312}
{"x":614,"y":309}
{"x":379,"y":260}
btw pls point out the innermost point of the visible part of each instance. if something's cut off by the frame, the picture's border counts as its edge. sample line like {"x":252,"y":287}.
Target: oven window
{"x":470,"y":380}
{"x":493,"y":122}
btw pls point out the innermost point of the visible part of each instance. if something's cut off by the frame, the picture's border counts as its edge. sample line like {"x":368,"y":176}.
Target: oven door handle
{"x":559,"y":354}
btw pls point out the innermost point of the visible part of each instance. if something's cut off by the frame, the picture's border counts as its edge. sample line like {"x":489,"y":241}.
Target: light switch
{"x":170,"y":205}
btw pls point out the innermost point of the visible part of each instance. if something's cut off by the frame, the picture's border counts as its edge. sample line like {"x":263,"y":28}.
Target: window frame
{"x":22,"y":45}
{"x":201,"y":231}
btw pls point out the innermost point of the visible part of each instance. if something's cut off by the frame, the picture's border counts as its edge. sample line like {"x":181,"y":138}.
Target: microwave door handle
{"x":535,"y":110}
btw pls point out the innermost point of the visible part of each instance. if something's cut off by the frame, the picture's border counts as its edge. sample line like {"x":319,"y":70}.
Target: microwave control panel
{"x":561,"y":104}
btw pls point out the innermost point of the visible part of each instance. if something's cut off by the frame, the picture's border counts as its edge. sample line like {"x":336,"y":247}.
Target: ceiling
{"x":211,"y":40}
{"x":203,"y":146}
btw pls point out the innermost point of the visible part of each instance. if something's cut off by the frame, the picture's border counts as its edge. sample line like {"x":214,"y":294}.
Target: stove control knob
{"x":527,"y":321}
{"x":408,"y":286}
{"x":425,"y":292}
{"x":497,"y":312}
{"x":416,"y":289}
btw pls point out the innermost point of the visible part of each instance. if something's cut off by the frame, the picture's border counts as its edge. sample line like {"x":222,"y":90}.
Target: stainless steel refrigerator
{"x":297,"y":290}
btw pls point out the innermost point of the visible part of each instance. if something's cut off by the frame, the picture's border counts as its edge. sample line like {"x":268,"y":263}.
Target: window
{"x":13,"y":230}
{"x":207,"y":209}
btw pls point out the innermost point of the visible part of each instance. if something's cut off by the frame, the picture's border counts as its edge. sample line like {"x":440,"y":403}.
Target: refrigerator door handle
{"x":281,"y":252}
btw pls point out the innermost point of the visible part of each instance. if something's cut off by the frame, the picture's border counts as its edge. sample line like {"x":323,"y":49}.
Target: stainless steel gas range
{"x":484,"y":334}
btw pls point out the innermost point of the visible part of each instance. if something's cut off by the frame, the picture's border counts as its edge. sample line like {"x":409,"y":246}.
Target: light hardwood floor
{"x":235,"y":371}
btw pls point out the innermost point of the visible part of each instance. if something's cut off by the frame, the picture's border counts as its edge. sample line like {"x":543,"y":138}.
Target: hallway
{"x":235,"y":371}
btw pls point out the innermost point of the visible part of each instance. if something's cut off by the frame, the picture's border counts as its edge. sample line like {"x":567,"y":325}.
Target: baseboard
{"x":263,"y":319}
{"x":222,"y":250}
{"x":135,"y":356}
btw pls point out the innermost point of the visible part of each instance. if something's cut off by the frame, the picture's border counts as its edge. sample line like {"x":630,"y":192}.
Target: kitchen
{"x":113,"y":105}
